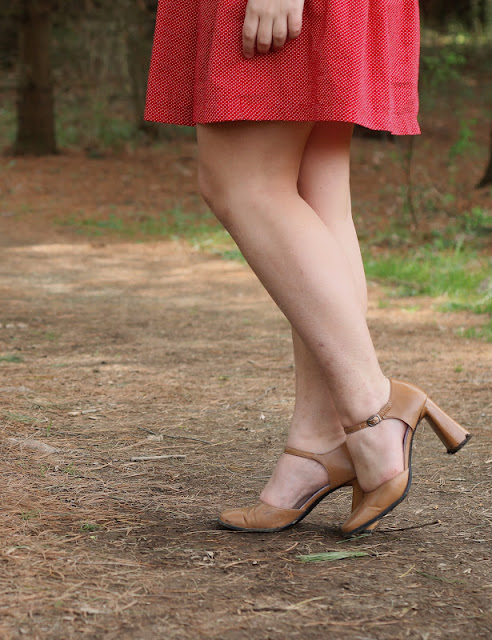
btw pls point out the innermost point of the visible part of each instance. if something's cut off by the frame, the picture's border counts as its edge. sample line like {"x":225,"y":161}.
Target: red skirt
{"x":355,"y":61}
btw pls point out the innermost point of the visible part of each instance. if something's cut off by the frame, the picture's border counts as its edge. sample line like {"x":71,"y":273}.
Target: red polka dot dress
{"x":355,"y":61}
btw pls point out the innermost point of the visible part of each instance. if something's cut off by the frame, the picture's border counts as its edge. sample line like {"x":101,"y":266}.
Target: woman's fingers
{"x":269,"y":24}
{"x":265,"y":34}
{"x":250,"y":30}
{"x":280,"y":33}
{"x":294,"y":23}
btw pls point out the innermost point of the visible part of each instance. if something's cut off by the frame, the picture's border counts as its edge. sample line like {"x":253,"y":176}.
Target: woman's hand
{"x":270,"y":24}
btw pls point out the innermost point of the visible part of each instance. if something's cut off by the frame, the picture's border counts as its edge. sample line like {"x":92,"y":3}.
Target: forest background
{"x":146,"y":379}
{"x":73,"y":77}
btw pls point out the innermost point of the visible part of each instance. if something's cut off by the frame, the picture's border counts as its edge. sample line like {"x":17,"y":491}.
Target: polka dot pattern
{"x":355,"y":61}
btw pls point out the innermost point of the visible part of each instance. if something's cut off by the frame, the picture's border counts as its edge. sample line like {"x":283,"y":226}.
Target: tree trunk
{"x":35,"y":102}
{"x":139,"y":28}
{"x":487,"y":178}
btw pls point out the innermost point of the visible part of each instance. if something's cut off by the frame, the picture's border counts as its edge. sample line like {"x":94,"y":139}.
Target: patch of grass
{"x":28,"y":515}
{"x":470,"y":228}
{"x":477,"y":221}
{"x":70,"y":469}
{"x":460,"y":274}
{"x":483,"y":332}
{"x":447,"y":267}
{"x":480,"y":305}
{"x":11,"y":357}
{"x":89,"y":526}
{"x":138,"y":224}
{"x":200,"y":230}
{"x":232,"y":254}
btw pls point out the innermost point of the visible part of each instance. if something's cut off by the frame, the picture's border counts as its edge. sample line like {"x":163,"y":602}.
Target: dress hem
{"x":402,"y":129}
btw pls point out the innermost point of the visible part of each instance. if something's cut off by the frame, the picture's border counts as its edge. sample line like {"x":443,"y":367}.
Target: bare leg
{"x":249,"y":173}
{"x":324,"y":184}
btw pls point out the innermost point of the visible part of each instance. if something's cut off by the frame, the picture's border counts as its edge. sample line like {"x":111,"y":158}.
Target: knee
{"x":228,"y":195}
{"x":234,"y":194}
{"x":209,"y":183}
{"x":215,"y":189}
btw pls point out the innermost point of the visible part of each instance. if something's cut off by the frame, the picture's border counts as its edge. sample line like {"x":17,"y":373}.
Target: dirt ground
{"x":113,"y":350}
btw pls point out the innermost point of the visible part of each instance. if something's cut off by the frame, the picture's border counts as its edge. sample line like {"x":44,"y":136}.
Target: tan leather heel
{"x":449,"y":432}
{"x":409,"y":404}
{"x":264,"y":518}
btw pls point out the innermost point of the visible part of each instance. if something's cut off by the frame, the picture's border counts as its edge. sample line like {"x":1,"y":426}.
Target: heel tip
{"x":461,"y":445}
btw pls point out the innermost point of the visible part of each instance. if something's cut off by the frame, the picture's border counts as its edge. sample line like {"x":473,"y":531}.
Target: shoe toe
{"x":234,"y":518}
{"x":260,"y":517}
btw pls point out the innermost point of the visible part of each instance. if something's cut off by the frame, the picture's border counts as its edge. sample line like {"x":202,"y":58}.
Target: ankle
{"x":378,"y":453}
{"x":293,"y":481}
{"x":315,"y":442}
{"x":367,"y":403}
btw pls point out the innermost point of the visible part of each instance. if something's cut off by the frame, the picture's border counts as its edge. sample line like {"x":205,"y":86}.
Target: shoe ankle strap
{"x":301,"y":454}
{"x":337,"y":463}
{"x":372,"y":421}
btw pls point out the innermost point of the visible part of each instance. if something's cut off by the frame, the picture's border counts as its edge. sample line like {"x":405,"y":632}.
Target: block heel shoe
{"x":409,"y":404}
{"x":265,"y":518}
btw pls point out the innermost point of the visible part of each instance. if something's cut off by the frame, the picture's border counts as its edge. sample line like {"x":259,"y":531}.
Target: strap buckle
{"x":374,"y":420}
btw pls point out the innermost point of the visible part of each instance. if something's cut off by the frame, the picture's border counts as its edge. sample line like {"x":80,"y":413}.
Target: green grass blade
{"x":332,"y":556}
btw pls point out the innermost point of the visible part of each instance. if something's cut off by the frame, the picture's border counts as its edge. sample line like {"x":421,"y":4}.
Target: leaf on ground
{"x":331,"y":556}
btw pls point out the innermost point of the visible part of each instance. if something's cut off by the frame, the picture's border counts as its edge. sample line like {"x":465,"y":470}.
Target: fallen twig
{"x":415,"y":526}
{"x":185,"y":438}
{"x":164,"y":435}
{"x":153,"y":433}
{"x":290,"y":548}
{"x":250,"y":404}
